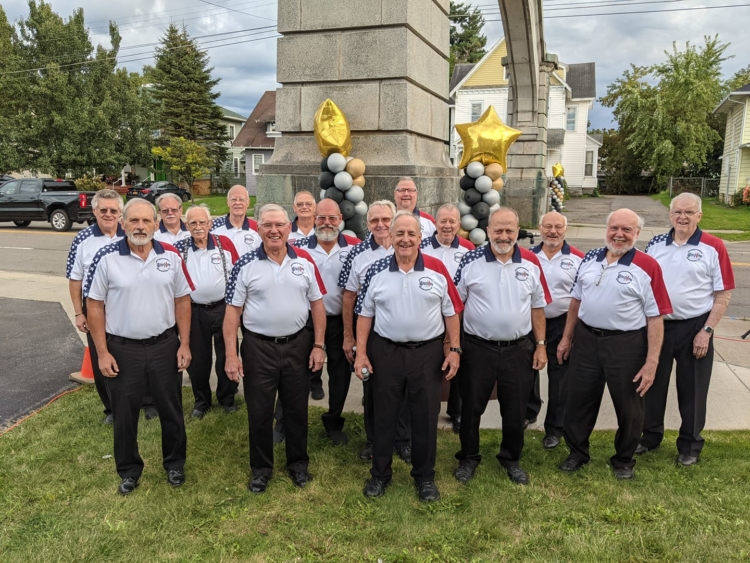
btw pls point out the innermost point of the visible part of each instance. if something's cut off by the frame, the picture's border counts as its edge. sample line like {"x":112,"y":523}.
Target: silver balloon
{"x":463,"y":207}
{"x":361,"y":208}
{"x":477,"y":236}
{"x":475,"y":169}
{"x":494,"y":208}
{"x":336,"y":162}
{"x":322,"y":194}
{"x":349,"y":233}
{"x":343,"y":180}
{"x":491,"y":197}
{"x":483,"y":184}
{"x":469,"y":222}
{"x":355,"y":194}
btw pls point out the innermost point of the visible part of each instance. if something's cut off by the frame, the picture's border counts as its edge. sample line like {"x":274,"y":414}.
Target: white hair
{"x":106,"y":194}
{"x":382,"y":203}
{"x":201,"y":207}
{"x":134,"y":202}
{"x":405,"y":213}
{"x":448,"y":207}
{"x":641,"y":222}
{"x":505,"y":209}
{"x":691,"y":197}
{"x":229,"y":192}
{"x":565,"y":219}
{"x":271,"y":207}
{"x":166,"y":196}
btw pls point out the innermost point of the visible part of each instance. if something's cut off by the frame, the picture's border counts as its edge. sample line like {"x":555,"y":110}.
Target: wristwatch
{"x":321,"y":346}
{"x":708,"y":329}
{"x":541,"y":342}
{"x":458,"y":350}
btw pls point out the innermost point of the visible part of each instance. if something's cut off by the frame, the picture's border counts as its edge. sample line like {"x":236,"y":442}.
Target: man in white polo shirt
{"x":274,"y":290}
{"x":405,"y":196}
{"x":236,"y":226}
{"x":139,"y":349}
{"x":304,"y":220}
{"x":107,"y":207}
{"x":172,"y":228}
{"x":209,"y":260}
{"x":411,"y":305}
{"x":699,"y":277}
{"x":560,"y":262}
{"x":615,"y":328}
{"x":330,"y":249}
{"x":445,"y":245}
{"x":504,"y":292}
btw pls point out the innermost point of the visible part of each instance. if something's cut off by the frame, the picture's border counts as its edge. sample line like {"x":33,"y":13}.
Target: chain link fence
{"x":703,"y":187}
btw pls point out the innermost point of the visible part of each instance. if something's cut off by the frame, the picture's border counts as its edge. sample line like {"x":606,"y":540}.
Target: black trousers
{"x":270,"y":368}
{"x":453,"y":408}
{"x":594,"y":361}
{"x":206,"y":336}
{"x":401,"y":373}
{"x":482,"y":365}
{"x":693,"y":378}
{"x":145,"y":367}
{"x":339,"y":374}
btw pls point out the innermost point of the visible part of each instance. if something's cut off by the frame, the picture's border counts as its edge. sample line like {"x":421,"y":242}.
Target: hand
{"x":317,"y":357}
{"x":540,"y":358}
{"x":362,"y":361}
{"x":233,"y":367}
{"x":183,"y":357}
{"x":81,"y":323}
{"x":451,"y":363}
{"x":108,"y":365}
{"x":700,"y":344}
{"x":349,"y":344}
{"x":646,"y":377}
{"x":563,"y":350}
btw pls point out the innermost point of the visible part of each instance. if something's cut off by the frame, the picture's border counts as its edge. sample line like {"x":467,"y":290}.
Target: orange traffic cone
{"x":86,"y":375}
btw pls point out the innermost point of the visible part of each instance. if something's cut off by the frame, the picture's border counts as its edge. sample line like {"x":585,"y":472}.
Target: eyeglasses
{"x":600,"y":277}
{"x":104,"y":211}
{"x":685,"y":213}
{"x":384,"y":220}
{"x":406,"y":191}
{"x":269,"y":226}
{"x":305,"y":204}
{"x":174,"y":210}
{"x":328,"y":218}
{"x":197,"y":223}
{"x":238,"y":200}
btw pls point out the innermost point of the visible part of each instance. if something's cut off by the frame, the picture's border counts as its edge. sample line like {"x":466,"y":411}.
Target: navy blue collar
{"x":490,"y":257}
{"x":373,"y":245}
{"x":209,"y":245}
{"x":125,"y":249}
{"x":418,"y":265}
{"x":245,"y":223}
{"x":436,"y":243}
{"x":263,"y":256}
{"x":694,"y":239}
{"x":163,"y":228}
{"x":312,"y":241}
{"x":565,"y":248}
{"x":98,"y":232}
{"x":626,"y":259}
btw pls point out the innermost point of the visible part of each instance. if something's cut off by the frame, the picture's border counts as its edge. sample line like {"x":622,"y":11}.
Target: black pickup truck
{"x":36,"y":199}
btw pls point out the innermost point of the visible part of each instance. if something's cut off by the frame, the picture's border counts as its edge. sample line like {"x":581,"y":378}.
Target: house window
{"x":505,"y":73}
{"x":476,"y":111}
{"x":570,"y":119}
{"x":589,"y":163}
{"x":271,"y":128}
{"x":257,"y":161}
{"x":236,"y":166}
{"x":230,"y":129}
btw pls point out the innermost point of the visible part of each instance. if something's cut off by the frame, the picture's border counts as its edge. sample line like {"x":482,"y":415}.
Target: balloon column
{"x":557,"y":188}
{"x":341,"y":176}
{"x":486,"y":143}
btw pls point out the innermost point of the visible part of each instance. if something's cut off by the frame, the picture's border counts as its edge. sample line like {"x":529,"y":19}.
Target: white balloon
{"x":463,"y":207}
{"x":491,"y":197}
{"x":494,"y":208}
{"x":349,"y":233}
{"x":475,"y":169}
{"x":336,"y":162}
{"x":469,"y":222}
{"x":322,"y":194}
{"x":477,"y":236}
{"x":355,"y":194}
{"x":361,"y":208}
{"x":483,"y":184}
{"x":348,"y":158}
{"x":343,"y":180}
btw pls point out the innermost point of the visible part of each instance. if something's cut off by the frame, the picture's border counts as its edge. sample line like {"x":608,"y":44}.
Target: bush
{"x":90,"y":184}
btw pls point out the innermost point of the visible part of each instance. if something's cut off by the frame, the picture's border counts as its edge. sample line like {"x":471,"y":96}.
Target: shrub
{"x":90,"y":184}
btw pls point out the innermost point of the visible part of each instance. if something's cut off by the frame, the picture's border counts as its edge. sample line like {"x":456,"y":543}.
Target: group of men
{"x":409,"y":307}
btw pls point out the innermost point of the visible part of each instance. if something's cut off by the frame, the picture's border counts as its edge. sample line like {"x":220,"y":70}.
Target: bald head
{"x":623,"y":228}
{"x":328,"y":228}
{"x":553,"y":227}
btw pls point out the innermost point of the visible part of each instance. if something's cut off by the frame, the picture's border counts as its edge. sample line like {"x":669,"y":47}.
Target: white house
{"x":735,"y":166}
{"x":475,"y":87}
{"x":257,"y":138}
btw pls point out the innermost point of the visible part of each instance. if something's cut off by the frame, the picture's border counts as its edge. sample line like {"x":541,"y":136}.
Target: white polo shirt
{"x":408,"y":306}
{"x":138,"y":295}
{"x":245,"y":239}
{"x":163,"y":234}
{"x":499,"y":297}
{"x":360,"y":258}
{"x":426,"y":223}
{"x":276,"y":297}
{"x":330,"y":266}
{"x":620,"y":296}
{"x":85,"y":246}
{"x":692,"y":271}
{"x":297,"y":234}
{"x":560,"y":273}
{"x":450,"y":255}
{"x":206,"y":268}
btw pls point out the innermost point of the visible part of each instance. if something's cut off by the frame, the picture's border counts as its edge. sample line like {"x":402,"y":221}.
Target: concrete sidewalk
{"x":728,"y":401}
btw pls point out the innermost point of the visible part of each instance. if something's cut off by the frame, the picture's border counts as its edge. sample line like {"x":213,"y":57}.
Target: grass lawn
{"x":217,"y":204}
{"x":717,"y":216}
{"x":58,"y":501}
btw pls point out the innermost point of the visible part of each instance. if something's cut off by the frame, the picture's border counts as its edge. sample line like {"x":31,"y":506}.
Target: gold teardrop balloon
{"x":332,"y":131}
{"x":558,"y":170}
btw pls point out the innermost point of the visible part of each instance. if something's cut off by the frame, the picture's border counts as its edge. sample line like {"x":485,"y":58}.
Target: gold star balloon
{"x":332,"y":131}
{"x":487,"y":140}
{"x":558,"y":170}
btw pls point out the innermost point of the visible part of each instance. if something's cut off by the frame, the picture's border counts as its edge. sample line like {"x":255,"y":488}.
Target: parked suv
{"x":36,"y":199}
{"x":152,"y":190}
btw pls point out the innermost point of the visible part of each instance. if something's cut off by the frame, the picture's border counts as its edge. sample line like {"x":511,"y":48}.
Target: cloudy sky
{"x":246,"y":60}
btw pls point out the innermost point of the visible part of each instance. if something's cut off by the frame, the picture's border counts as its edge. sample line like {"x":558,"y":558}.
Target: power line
{"x":582,"y":6}
{"x":245,"y":5}
{"x":236,"y":11}
{"x":638,"y":12}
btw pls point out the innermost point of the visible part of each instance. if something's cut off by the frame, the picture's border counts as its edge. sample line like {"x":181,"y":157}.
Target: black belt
{"x":603,"y":332}
{"x":208,"y":305}
{"x":274,"y":339}
{"x":142,"y":342}
{"x":500,"y":343}
{"x":413,"y":345}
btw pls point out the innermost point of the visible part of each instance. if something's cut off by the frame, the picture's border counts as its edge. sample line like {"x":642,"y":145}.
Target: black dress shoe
{"x":570,"y":465}
{"x":687,"y":460}
{"x":259,"y":485}
{"x":404,"y":452}
{"x":375,"y":487}
{"x":365,"y":454}
{"x":109,"y":419}
{"x":317,"y":394}
{"x":456,"y":422}
{"x":197,"y":413}
{"x":338,"y":438}
{"x":176,"y":477}
{"x":624,"y":473}
{"x":641,"y":449}
{"x":300,"y":479}
{"x":150,"y":412}
{"x":428,"y":491}
{"x":127,"y":485}
{"x":230,"y":408}
{"x":464,"y":473}
{"x":550,"y":442}
{"x":517,"y":475}
{"x":278,"y":434}
{"x":528,"y":422}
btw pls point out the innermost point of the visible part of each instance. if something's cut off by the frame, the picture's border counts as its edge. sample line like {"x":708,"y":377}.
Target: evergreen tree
{"x":467,"y":41}
{"x":183,"y":91}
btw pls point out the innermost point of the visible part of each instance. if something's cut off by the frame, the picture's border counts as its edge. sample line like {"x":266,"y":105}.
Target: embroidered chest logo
{"x":522,"y":274}
{"x":343,"y":255}
{"x":249,"y":239}
{"x":457,"y":257}
{"x":624,"y":278}
{"x":566,"y":264}
{"x":215,"y":258}
{"x":426,"y":284}
{"x":163,"y":265}
{"x":694,"y":255}
{"x":298,"y":269}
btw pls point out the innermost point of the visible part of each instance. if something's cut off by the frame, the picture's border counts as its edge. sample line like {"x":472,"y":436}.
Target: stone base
{"x":528,"y":197}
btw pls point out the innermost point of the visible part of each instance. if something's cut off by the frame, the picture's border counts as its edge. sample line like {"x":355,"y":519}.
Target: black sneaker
{"x":517,"y":475}
{"x":317,"y":394}
{"x":365,"y":454}
{"x":550,"y":442}
{"x":464,"y":473}
{"x":528,"y":422}
{"x":176,"y":477}
{"x":150,"y":412}
{"x":127,"y":486}
{"x":404,"y":452}
{"x":338,"y":437}
{"x":197,"y":413}
{"x":687,"y":460}
{"x":570,"y":465}
{"x":641,"y":449}
{"x":258,"y":485}
{"x":428,"y":491}
{"x":624,"y":473}
{"x":375,"y":487}
{"x":109,"y":419}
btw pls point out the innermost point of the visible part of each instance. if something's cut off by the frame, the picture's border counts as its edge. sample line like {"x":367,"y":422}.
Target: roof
{"x":555,"y":137}
{"x":472,"y":68}
{"x":582,"y":80}
{"x":229,"y":114}
{"x":598,"y":138}
{"x":459,"y":73}
{"x":253,"y":133}
{"x":745,"y":88}
{"x":738,"y":93}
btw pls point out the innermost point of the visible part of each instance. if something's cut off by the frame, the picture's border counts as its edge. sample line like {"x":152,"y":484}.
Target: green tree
{"x":467,"y":41}
{"x":186,"y":159}
{"x":622,"y":168}
{"x":740,"y":79}
{"x":183,"y":91}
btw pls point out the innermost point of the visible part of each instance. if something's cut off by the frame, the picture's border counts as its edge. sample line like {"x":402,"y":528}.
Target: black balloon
{"x":466,"y":182}
{"x":560,"y":180}
{"x":480,"y":210}
{"x":325,"y":180}
{"x":324,"y":164}
{"x":483,"y":223}
{"x":472,"y":197}
{"x":347,"y":209}
{"x":335,"y":194}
